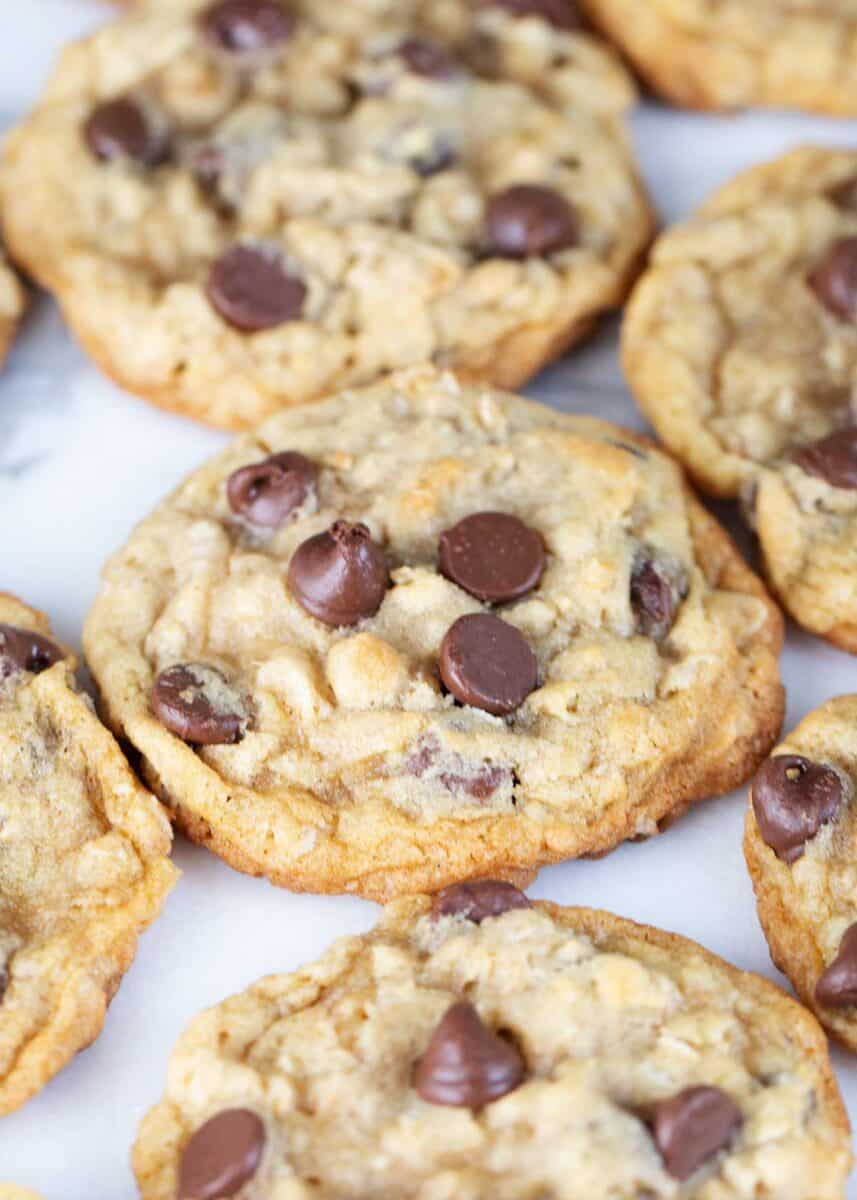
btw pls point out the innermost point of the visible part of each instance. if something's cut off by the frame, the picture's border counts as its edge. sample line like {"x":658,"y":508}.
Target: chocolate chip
{"x":222,"y":1155}
{"x":195,"y":702}
{"x":266,"y":493}
{"x":792,"y":799}
{"x":425,"y":150}
{"x":528,"y":221}
{"x":478,"y":899}
{"x":693,"y":1125}
{"x":427,"y":58}
{"x":121,"y":129}
{"x":655,"y":597}
{"x":559,"y":13}
{"x":834,"y":279}
{"x":465,"y":1064}
{"x":251,"y":289}
{"x":247,"y":26}
{"x":23,"y":650}
{"x":837,"y":987}
{"x":207,"y":161}
{"x":340,"y":577}
{"x":833,"y":458}
{"x":4,"y":982}
{"x":487,"y":663}
{"x":493,"y":556}
{"x":844,"y":194}
{"x":458,"y":775}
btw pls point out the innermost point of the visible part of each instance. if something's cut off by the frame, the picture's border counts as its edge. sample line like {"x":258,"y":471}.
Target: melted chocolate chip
{"x":466,"y":1065}
{"x":844,"y":194}
{"x":340,"y":577}
{"x":529,"y":221}
{"x":427,"y":58}
{"x":837,"y":987}
{"x":195,"y":702}
{"x":493,"y":556}
{"x":251,"y":289}
{"x":692,"y":1126}
{"x":834,"y":279}
{"x":559,"y":13}
{"x":833,"y":458}
{"x":477,"y":780}
{"x":792,"y":799}
{"x":221,"y":1156}
{"x":120,"y":129}
{"x":487,"y":663}
{"x":247,"y":26}
{"x":654,"y":599}
{"x":478,"y":899}
{"x":23,"y":650}
{"x":266,"y":493}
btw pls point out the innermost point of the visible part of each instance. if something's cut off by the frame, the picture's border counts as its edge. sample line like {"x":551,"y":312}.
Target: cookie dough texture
{"x":11,"y":305}
{"x":727,"y":54}
{"x":392,"y":260}
{"x":84,"y":868}
{"x":737,"y":364}
{"x":806,"y":907}
{"x":357,"y":771}
{"x":611,"y":1018}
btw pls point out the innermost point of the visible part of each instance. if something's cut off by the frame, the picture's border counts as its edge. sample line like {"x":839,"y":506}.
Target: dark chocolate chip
{"x":529,"y":221}
{"x":655,"y":597}
{"x":792,"y":798}
{"x":121,"y":129}
{"x":559,"y":13}
{"x":692,"y":1126}
{"x":4,"y":981}
{"x":222,"y":1155}
{"x":487,"y":663}
{"x":478,"y":899}
{"x":837,"y":987}
{"x":844,"y":194}
{"x":493,"y":556}
{"x":477,"y":780}
{"x":247,"y":26}
{"x":341,"y":576}
{"x":207,"y":161}
{"x":251,"y":289}
{"x":266,"y":493}
{"x":833,"y":458}
{"x":23,"y":650}
{"x":834,"y":279}
{"x":427,"y":58}
{"x":195,"y":702}
{"x":466,"y":1065}
{"x":425,"y":150}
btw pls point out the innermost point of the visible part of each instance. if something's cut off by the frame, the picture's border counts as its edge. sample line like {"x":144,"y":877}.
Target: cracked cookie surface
{"x":616,"y":1027}
{"x":728,"y":54}
{"x":237,"y":217}
{"x":83,"y":859}
{"x":318,"y":700}
{"x":11,"y":305}
{"x":801,"y":847}
{"x":741,"y":351}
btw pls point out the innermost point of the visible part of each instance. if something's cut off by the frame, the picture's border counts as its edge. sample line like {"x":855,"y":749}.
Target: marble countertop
{"x":81,"y":462}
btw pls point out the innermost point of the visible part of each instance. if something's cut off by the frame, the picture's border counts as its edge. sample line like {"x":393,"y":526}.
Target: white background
{"x":80,"y":463}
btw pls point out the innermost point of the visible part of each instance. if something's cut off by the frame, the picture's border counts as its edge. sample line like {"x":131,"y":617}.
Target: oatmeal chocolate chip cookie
{"x":425,"y":632}
{"x":83,"y":859}
{"x":740,"y":344}
{"x":11,"y":305}
{"x":728,"y":54}
{"x":477,"y":1045}
{"x":246,"y":204}
{"x":801,"y":847}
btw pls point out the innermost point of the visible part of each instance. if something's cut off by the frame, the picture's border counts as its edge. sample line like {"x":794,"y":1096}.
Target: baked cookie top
{"x":83,"y":859}
{"x":426,"y":631}
{"x":243,"y":205}
{"x":740,"y":345}
{"x":472,"y":1047}
{"x":732,"y":54}
{"x":11,"y":305}
{"x":801,"y":847}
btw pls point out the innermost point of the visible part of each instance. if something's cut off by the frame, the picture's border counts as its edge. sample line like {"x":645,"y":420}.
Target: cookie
{"x":83,"y":859}
{"x":478,"y":1045}
{"x":800,"y":842}
{"x":244,"y":205}
{"x":11,"y":306}
{"x":740,"y":346}
{"x":728,"y":54}
{"x":424,"y":632}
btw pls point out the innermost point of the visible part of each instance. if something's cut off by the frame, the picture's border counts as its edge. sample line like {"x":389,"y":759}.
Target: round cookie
{"x":728,"y":54}
{"x":739,"y":347}
{"x":475,"y":1045}
{"x":242,"y":206}
{"x":12,"y":305}
{"x":83,"y":859}
{"x":296,"y":644}
{"x":800,"y":842}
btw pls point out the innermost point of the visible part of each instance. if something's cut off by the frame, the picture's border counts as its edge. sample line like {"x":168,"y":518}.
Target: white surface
{"x":80,"y":462}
